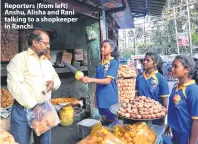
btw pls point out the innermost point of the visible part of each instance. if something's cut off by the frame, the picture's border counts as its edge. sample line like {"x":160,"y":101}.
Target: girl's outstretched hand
{"x":86,"y":79}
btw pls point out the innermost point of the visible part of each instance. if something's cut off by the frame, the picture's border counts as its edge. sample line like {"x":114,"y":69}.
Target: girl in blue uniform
{"x":106,"y":74}
{"x":151,"y":83}
{"x":183,"y":102}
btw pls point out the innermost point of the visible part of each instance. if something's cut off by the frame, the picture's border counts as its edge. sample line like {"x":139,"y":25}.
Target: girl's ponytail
{"x":115,"y":54}
{"x":195,"y":77}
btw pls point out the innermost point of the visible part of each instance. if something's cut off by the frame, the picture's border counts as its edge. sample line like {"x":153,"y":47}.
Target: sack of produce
{"x":138,"y":133}
{"x":101,"y":135}
{"x":6,"y":138}
{"x":42,"y":118}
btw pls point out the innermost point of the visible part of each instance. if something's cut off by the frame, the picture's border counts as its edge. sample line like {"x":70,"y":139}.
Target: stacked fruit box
{"x":126,"y":83}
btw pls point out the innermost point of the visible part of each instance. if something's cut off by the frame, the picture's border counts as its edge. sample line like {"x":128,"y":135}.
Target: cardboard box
{"x":78,"y":54}
{"x":67,"y":56}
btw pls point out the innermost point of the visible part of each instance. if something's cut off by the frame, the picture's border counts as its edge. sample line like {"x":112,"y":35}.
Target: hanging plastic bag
{"x":42,"y":118}
{"x":167,"y":137}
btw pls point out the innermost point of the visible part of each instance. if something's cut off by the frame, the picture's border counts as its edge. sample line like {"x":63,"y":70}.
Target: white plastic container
{"x":85,"y":126}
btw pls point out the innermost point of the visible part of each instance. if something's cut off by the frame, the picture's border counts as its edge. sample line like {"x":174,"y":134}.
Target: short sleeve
{"x":113,"y":69}
{"x":193,"y":102}
{"x":136,"y":82}
{"x":163,"y":87}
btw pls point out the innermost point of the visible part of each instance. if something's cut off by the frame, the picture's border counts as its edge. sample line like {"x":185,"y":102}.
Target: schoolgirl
{"x":183,"y":102}
{"x":106,"y":74}
{"x":151,"y":82}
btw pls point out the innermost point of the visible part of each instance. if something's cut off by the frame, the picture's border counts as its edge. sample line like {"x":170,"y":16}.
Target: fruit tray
{"x":114,"y":109}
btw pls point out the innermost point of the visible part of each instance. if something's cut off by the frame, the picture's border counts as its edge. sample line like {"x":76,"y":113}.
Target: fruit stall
{"x":139,"y":111}
{"x":79,"y":44}
{"x":134,"y":117}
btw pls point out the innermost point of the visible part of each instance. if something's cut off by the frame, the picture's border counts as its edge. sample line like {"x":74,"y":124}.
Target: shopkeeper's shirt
{"x":27,"y":76}
{"x":107,"y":95}
{"x":183,"y":107}
{"x":154,"y":86}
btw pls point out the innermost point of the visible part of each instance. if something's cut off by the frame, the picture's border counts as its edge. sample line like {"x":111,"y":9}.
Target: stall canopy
{"x":146,"y":7}
{"x":119,"y":11}
{"x":123,"y":11}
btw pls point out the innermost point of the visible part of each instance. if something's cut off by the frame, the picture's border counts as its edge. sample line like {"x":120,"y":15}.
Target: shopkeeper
{"x":183,"y":102}
{"x":30,"y":76}
{"x":106,"y":74}
{"x":151,"y":83}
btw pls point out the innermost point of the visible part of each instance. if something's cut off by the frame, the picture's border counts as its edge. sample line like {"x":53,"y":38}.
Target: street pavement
{"x":65,"y":135}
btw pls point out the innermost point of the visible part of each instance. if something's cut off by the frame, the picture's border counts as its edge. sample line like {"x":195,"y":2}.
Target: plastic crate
{"x":85,"y":126}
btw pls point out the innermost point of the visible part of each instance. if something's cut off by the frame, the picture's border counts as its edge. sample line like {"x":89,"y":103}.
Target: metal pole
{"x":176,"y":31}
{"x":189,"y":28}
{"x":125,"y":40}
{"x":135,"y":42}
{"x":144,"y":32}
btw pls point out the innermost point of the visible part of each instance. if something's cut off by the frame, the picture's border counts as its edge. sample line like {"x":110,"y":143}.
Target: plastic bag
{"x":101,"y":135}
{"x":138,"y":133}
{"x":43,"y":119}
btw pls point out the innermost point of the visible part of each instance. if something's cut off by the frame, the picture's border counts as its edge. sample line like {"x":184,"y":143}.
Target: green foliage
{"x":127,"y":53}
{"x":194,"y":36}
{"x":163,"y":35}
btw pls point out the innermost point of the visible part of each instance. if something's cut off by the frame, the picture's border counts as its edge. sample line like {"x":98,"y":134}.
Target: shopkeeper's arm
{"x":194,"y":132}
{"x":55,"y":78}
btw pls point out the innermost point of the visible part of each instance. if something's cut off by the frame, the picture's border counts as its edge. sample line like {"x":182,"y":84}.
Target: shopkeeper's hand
{"x":87,"y":79}
{"x":50,"y":85}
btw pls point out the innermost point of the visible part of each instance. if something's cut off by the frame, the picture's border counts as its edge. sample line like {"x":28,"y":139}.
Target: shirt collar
{"x":107,"y":61}
{"x":31,"y":52}
{"x":185,"y":85}
{"x":151,"y":75}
